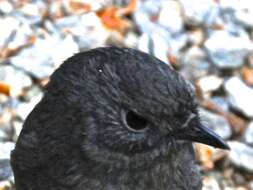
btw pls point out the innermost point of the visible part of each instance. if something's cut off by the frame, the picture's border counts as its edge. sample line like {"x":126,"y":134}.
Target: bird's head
{"x":131,"y":105}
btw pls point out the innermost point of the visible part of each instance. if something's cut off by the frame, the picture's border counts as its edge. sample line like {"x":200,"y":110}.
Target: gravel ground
{"x":210,"y":42}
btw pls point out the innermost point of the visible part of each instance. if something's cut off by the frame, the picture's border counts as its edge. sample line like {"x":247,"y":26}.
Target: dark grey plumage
{"x":111,"y":119}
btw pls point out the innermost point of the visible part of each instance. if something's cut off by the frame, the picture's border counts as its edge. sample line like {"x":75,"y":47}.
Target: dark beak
{"x":203,"y":135}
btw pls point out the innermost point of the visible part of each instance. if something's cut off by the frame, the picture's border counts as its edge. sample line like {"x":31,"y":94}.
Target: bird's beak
{"x":203,"y":135}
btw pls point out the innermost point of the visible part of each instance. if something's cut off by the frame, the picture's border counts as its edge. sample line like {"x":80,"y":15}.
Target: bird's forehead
{"x":159,"y":95}
{"x":146,"y":82}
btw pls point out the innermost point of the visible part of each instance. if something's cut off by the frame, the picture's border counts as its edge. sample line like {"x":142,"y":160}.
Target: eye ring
{"x":134,"y":122}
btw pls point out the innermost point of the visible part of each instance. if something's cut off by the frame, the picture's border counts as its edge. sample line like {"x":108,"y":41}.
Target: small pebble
{"x":240,"y":95}
{"x":248,"y":134}
{"x":209,"y":83}
{"x":226,"y":50}
{"x":241,"y":155}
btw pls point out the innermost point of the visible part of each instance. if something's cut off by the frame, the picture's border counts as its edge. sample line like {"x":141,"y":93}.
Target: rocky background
{"x":209,"y":41}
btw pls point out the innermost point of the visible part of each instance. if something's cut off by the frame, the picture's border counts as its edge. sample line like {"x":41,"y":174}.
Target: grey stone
{"x":62,"y":49}
{"x":5,"y":170}
{"x":196,"y":37}
{"x":161,"y":44}
{"x":17,"y":79}
{"x":131,"y":40}
{"x":176,"y":43}
{"x":209,"y":83}
{"x":90,"y":36}
{"x":227,"y":51}
{"x":45,"y":55}
{"x":198,"y":12}
{"x":240,"y":95}
{"x":32,"y":9}
{"x":34,"y":92}
{"x":31,"y":60}
{"x":67,"y":22}
{"x":86,"y":29}
{"x":251,"y":185}
{"x":51,"y":28}
{"x":221,"y":102}
{"x":6,"y":185}
{"x":248,"y":134}
{"x":5,"y":149}
{"x":171,"y":9}
{"x":210,"y":183}
{"x":8,"y":31}
{"x":241,"y":155}
{"x":24,"y":108}
{"x":3,"y":135}
{"x":22,"y":35}
{"x":5,"y":131}
{"x":6,"y":115}
{"x":145,"y":10}
{"x":154,"y":44}
{"x":17,"y":126}
{"x":5,"y":7}
{"x":160,"y":37}
{"x":240,"y":12}
{"x":194,"y":63}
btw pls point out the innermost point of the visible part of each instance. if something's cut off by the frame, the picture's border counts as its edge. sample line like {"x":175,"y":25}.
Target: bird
{"x":112,"y":118}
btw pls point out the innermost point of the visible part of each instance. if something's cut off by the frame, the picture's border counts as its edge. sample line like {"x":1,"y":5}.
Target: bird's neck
{"x":177,"y":171}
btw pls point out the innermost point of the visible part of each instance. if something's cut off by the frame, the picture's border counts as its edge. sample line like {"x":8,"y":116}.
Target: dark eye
{"x":135,"y":122}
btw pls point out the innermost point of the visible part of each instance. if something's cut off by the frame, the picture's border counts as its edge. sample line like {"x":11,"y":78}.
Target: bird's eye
{"x":135,"y":122}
